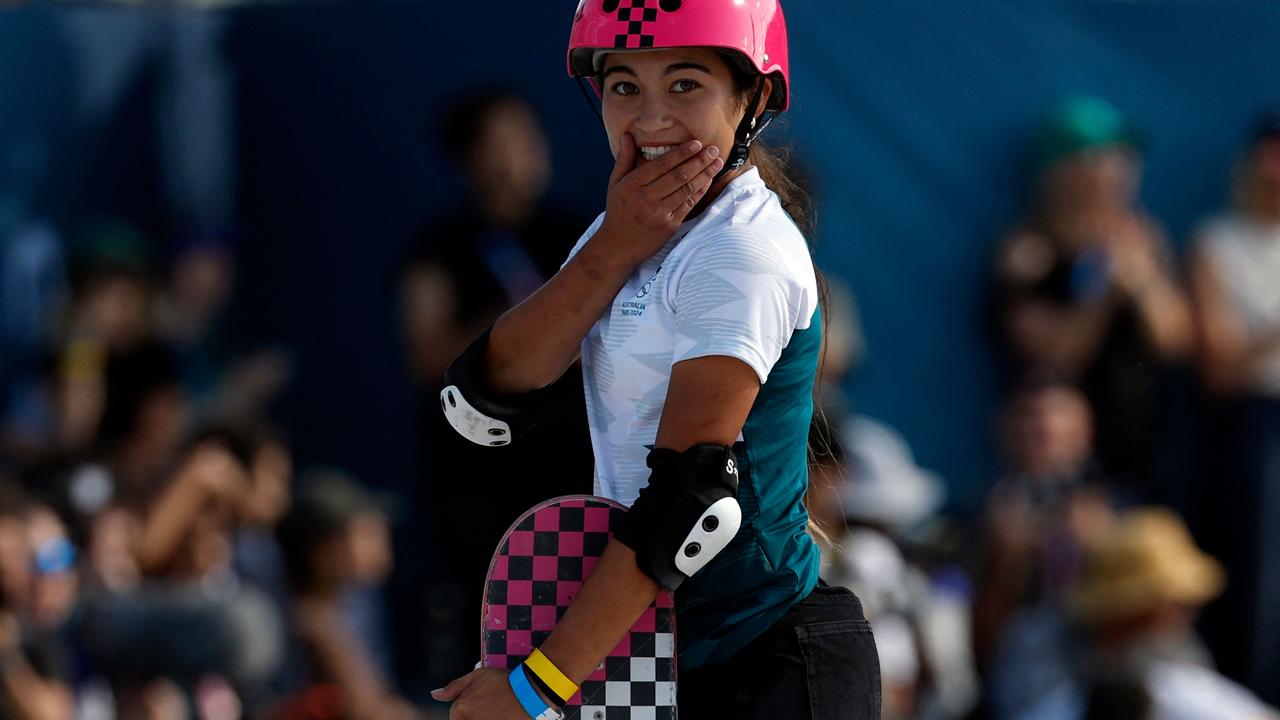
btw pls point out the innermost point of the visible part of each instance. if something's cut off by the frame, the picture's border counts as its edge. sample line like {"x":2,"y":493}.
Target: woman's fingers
{"x":685,"y":172}
{"x":647,"y":202}
{"x":450,"y":692}
{"x":648,"y":172}
{"x":683,"y":199}
{"x":626,"y":160}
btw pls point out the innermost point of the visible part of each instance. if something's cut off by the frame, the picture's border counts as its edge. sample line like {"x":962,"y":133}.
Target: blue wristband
{"x":529,"y":698}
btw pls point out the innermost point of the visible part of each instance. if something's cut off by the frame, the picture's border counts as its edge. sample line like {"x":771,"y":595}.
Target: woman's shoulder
{"x":1218,"y":229}
{"x":758,"y":247}
{"x":753,"y":226}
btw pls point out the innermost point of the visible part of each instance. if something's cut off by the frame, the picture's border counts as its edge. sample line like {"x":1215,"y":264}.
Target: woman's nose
{"x":654,"y":116}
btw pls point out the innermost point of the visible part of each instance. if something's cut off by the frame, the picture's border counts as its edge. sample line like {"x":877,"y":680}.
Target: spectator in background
{"x":1040,"y":515}
{"x":1135,"y":604}
{"x":335,"y":540}
{"x":871,"y":501}
{"x":190,"y":623}
{"x":1236,"y":275}
{"x":1087,"y":286}
{"x":33,"y":294}
{"x":145,"y":419}
{"x":256,"y":554}
{"x":109,"y":314}
{"x":38,"y":588}
{"x":191,"y":318}
{"x":501,"y":244}
{"x":467,"y":267}
{"x":201,"y":278}
{"x":844,"y":350}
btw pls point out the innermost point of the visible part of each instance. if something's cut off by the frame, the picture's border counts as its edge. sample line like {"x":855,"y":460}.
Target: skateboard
{"x":535,"y":574}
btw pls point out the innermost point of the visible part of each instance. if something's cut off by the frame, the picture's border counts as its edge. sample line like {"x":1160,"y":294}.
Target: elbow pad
{"x":686,"y":515}
{"x":476,"y":411}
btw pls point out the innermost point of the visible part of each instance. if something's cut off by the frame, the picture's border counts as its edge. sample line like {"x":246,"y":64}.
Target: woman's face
{"x":1096,"y":178}
{"x":1264,"y":171}
{"x":512,"y":156}
{"x":664,"y":98}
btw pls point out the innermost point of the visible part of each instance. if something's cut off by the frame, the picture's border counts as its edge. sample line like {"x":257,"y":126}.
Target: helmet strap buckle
{"x":748,"y":130}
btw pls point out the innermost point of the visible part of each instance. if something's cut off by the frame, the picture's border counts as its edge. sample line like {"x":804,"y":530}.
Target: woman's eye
{"x":683,"y":86}
{"x":624,"y":88}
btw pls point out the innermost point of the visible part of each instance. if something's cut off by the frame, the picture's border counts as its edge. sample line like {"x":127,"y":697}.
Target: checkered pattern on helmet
{"x":636,"y":16}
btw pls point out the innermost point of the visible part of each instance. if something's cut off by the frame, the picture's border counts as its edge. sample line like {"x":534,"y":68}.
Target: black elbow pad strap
{"x":686,"y":515}
{"x":476,"y":411}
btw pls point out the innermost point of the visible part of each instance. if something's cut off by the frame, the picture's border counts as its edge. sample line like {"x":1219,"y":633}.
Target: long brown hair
{"x":774,"y":166}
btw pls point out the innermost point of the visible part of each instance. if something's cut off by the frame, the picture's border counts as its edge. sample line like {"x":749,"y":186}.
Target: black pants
{"x":818,"y":662}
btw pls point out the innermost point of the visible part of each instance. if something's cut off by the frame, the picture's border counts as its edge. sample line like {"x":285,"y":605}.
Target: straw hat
{"x":1147,"y":560}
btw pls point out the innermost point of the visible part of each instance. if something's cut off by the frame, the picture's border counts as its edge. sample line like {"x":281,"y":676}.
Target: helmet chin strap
{"x":748,"y":130}
{"x":592,"y":103}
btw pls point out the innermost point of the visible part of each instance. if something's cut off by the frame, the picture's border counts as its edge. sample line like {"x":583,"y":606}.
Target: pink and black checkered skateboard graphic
{"x":534,"y":576}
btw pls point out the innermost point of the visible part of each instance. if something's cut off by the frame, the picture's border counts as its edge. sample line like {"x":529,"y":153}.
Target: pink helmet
{"x":754,"y":28}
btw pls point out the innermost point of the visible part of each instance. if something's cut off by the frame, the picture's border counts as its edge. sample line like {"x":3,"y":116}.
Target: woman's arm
{"x":1227,"y":353}
{"x":210,"y":475}
{"x":341,"y":657}
{"x":24,"y":694}
{"x":1143,"y":270}
{"x":535,"y":342}
{"x":429,"y":316}
{"x":708,"y":400}
{"x":1065,"y":338}
{"x":1039,"y":331}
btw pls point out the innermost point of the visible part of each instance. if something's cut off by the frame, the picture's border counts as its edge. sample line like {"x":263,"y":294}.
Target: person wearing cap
{"x":335,"y":541}
{"x":1134,"y":607}
{"x":693,"y":303}
{"x":1086,"y":285}
{"x":1235,"y":270}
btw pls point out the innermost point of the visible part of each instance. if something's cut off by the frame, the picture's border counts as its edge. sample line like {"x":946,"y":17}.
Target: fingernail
{"x":437,"y":690}
{"x":713,"y":151}
{"x":694,"y":146}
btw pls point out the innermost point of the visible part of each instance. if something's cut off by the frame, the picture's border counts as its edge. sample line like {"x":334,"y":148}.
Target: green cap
{"x":1083,"y":123}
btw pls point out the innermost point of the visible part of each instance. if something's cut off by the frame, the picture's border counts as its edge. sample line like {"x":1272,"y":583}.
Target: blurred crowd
{"x":1100,"y":580}
{"x":161,"y":559}
{"x":158,"y":557}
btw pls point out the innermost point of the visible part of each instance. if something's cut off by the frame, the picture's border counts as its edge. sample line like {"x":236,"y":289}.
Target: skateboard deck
{"x":535,"y":574}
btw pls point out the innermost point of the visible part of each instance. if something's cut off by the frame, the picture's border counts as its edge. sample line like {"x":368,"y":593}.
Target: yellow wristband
{"x":550,"y":675}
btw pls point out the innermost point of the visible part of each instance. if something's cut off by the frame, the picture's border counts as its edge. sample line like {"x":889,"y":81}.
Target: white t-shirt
{"x":1181,"y":691}
{"x":737,"y":281}
{"x":1245,"y":257}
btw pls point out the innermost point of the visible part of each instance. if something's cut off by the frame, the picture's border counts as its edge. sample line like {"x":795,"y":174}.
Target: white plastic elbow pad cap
{"x":470,"y":423}
{"x":710,"y":535}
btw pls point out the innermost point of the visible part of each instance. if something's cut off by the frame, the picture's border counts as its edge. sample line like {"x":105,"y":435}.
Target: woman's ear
{"x":765,"y":94}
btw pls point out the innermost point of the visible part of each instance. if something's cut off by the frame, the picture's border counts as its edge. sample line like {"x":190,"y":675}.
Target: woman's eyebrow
{"x":675,"y":67}
{"x":616,"y":69}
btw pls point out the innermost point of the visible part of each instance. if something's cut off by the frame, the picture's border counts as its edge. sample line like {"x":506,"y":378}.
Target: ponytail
{"x":775,"y":171}
{"x":823,"y":452}
{"x":773,"y":164}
